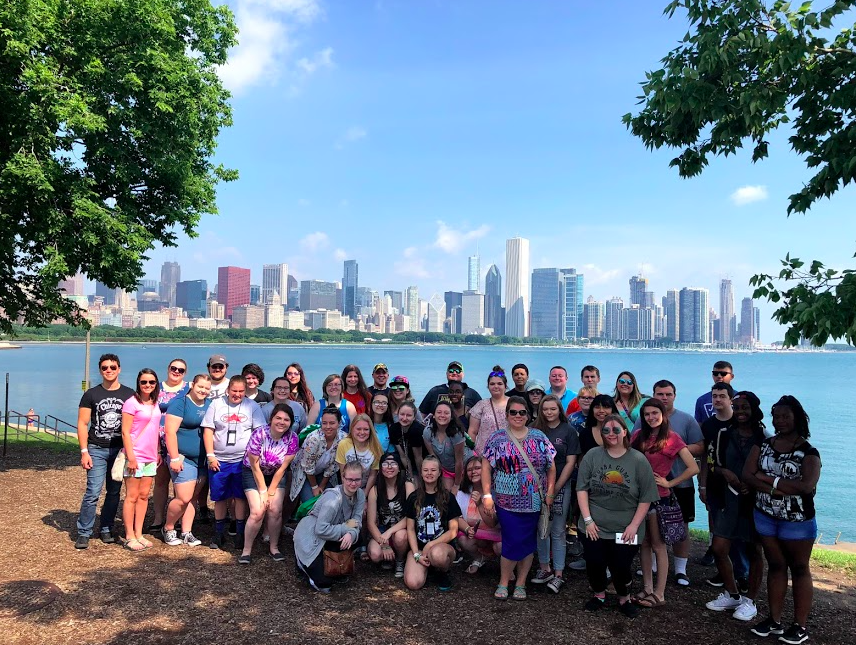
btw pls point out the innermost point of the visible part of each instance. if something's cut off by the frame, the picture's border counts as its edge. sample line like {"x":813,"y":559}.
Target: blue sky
{"x":407,"y":134}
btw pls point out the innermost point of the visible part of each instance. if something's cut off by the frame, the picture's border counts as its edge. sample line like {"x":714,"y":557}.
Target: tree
{"x":744,"y":69}
{"x":109,"y":114}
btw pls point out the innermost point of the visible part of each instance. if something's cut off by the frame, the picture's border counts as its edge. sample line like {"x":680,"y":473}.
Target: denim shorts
{"x":249,"y":482}
{"x":190,"y":472}
{"x":226,"y":482}
{"x":767,"y":526}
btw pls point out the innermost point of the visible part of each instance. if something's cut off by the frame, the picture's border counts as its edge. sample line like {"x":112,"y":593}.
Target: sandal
{"x":519,"y":593}
{"x":648,"y":600}
{"x":475,"y":565}
{"x":146,"y":543}
{"x":134,"y":545}
{"x":501,"y":592}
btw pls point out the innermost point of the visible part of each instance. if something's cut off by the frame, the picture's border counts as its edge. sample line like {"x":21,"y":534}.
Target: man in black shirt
{"x":99,"y":431}
{"x":380,"y":376}
{"x":455,"y":372}
{"x":519,"y":375}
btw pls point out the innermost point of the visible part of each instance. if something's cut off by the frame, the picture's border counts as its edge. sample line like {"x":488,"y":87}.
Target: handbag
{"x":670,"y":519}
{"x":544,"y":518}
{"x":338,"y":563}
{"x":117,"y":473}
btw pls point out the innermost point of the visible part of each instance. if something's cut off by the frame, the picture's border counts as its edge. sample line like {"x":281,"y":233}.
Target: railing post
{"x":6,"y":416}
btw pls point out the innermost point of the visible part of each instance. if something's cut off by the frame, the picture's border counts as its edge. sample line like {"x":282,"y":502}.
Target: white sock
{"x":681,"y":565}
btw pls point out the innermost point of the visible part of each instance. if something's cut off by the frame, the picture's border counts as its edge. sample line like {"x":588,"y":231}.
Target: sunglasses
{"x":148,"y":382}
{"x":613,"y":429}
{"x":177,"y":370}
{"x":624,"y":381}
{"x":496,"y":375}
{"x":397,"y":387}
{"x":217,"y":366}
{"x":722,"y":374}
{"x":517,"y":413}
{"x":455,"y":370}
{"x":109,"y":368}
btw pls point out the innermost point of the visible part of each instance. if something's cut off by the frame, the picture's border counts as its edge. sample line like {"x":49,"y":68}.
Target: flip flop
{"x":474,"y":567}
{"x":134,"y":545}
{"x":501,"y":592}
{"x":519,"y":593}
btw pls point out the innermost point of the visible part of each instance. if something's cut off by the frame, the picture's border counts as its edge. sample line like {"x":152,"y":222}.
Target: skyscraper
{"x":546,"y":297}
{"x":436,"y":313}
{"x":472,"y":312}
{"x":593,"y":315}
{"x":411,"y":307}
{"x":170,"y":276}
{"x":474,"y":273}
{"x":694,"y":313}
{"x":293,"y":301}
{"x":105,"y":292}
{"x":317,"y":294}
{"x":350,"y":284}
{"x":396,"y":299}
{"x":517,"y":287}
{"x":570,"y":304}
{"x":73,"y":285}
{"x":672,"y":313}
{"x":191,"y":295}
{"x":638,"y":287}
{"x":233,"y":288}
{"x":274,"y":280}
{"x":454,"y":301}
{"x":494,"y":317}
{"x":757,"y":320}
{"x":747,"y":321}
{"x":148,"y":286}
{"x":612,"y":318}
{"x":727,"y":321}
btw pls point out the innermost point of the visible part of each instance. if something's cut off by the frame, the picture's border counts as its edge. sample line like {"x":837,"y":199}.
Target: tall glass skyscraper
{"x":350,"y":283}
{"x":517,"y":287}
{"x":494,"y":316}
{"x":474,"y":273}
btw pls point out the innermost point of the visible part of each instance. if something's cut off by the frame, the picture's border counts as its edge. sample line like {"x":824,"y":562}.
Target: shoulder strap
{"x":528,"y":463}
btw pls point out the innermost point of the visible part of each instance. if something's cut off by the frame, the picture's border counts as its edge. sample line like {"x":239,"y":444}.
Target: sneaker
{"x":190,"y":540}
{"x":217,"y":541}
{"x":682,"y":580}
{"x":577,"y":565}
{"x":233,"y":528}
{"x":171,"y":538}
{"x":794,"y":635}
{"x":555,"y":585}
{"x":399,"y":568}
{"x":723,"y":602}
{"x":444,"y":581}
{"x":629,"y":609}
{"x":715,"y":581}
{"x":767,"y":627}
{"x":541,"y":577}
{"x":746,"y":611}
{"x":743,"y":585}
{"x":575,"y":548}
{"x":707,"y":560}
{"x":107,"y":537}
{"x":82,"y":542}
{"x":594,"y":604}
{"x":245,"y":559}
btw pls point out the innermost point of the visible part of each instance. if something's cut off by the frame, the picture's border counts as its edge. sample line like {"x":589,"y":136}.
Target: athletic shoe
{"x":190,"y":540}
{"x":444,"y":581}
{"x":746,"y":611}
{"x":707,"y":560}
{"x":575,"y":548}
{"x":399,"y":568}
{"x":541,"y":577}
{"x":82,"y":542}
{"x":629,"y":609}
{"x":555,"y":585}
{"x":682,"y":580}
{"x":594,"y":604}
{"x":577,"y":565}
{"x":723,"y":602}
{"x":743,"y":585}
{"x":233,"y":527}
{"x":767,"y":627}
{"x":715,"y":581}
{"x":107,"y":537}
{"x":245,"y":559}
{"x":170,"y":538}
{"x":794,"y":635}
{"x":217,"y":541}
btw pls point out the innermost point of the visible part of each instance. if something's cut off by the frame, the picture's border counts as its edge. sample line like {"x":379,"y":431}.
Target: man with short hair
{"x":454,"y":372}
{"x":559,"y":386}
{"x":686,"y":427}
{"x":380,"y":376}
{"x":280,"y":394}
{"x":519,"y":375}
{"x":722,"y":372}
{"x":99,"y":432}
{"x":217,"y":368}
{"x":590,"y":377}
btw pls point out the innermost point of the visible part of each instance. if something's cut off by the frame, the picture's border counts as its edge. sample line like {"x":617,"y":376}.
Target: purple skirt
{"x":519,"y":533}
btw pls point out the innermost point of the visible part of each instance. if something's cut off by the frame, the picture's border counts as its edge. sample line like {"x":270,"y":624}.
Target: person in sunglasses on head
{"x":217,"y":368}
{"x":454,"y":373}
{"x":487,"y":416}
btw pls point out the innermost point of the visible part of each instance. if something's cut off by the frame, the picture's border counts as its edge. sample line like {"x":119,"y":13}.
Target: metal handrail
{"x":38,"y":428}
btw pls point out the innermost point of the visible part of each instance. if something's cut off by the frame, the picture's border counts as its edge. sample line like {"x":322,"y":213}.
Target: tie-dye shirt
{"x":514,"y":487}
{"x":271,"y":452}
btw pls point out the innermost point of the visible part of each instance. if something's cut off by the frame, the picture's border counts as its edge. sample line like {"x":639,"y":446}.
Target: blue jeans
{"x":102,"y":463}
{"x":555,"y":541}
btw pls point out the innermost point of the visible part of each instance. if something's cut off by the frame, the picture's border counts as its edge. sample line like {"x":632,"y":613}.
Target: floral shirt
{"x":487,"y":422}
{"x":514,"y":487}
{"x":271,"y":452}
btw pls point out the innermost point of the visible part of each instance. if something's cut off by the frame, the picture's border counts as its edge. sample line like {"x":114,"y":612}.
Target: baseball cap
{"x":218,"y":358}
{"x":392,"y":456}
{"x":455,"y":364}
{"x":380,"y":367}
{"x":535,"y":384}
{"x":400,"y":379}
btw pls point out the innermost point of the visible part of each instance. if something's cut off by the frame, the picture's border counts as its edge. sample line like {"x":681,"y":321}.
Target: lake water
{"x":47,"y":377}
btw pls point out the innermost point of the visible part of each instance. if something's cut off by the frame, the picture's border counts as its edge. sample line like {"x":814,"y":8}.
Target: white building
{"x":517,"y":287}
{"x":472,"y":312}
{"x":436,"y":313}
{"x":274,"y":280}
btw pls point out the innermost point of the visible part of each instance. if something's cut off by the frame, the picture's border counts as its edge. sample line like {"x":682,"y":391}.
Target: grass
{"x":17,"y":442}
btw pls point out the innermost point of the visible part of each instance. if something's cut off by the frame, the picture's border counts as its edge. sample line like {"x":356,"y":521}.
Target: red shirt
{"x":661,"y":461}
{"x":361,"y":404}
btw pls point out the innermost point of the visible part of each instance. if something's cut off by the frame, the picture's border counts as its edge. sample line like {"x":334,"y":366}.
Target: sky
{"x":408,"y":135}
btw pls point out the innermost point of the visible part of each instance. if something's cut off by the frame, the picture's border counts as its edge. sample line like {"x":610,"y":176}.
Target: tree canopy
{"x":109,"y":114}
{"x":744,"y":69}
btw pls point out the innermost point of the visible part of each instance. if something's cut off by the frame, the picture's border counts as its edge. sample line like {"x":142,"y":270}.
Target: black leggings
{"x":602,"y":554}
{"x":315,"y":571}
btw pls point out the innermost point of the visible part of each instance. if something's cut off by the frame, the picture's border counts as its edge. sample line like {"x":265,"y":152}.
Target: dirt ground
{"x":51,"y":593}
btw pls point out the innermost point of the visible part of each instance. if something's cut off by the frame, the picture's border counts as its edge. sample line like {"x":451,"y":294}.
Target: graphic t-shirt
{"x":219,"y":390}
{"x":704,"y":407}
{"x":430,"y":522}
{"x":144,"y":429}
{"x":233,"y":423}
{"x":663,"y":460}
{"x":105,"y":406}
{"x":514,"y":487}
{"x":407,"y":439}
{"x":347,"y":452}
{"x":165,"y":398}
{"x":391,"y":512}
{"x":616,"y":487}
{"x":189,"y":434}
{"x":271,"y":452}
{"x":787,"y":465}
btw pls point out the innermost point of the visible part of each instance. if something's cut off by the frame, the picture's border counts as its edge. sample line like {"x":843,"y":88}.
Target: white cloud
{"x":352,"y":135}
{"x":340,"y":255}
{"x":453,"y":241}
{"x":411,"y":265}
{"x":595,"y":275}
{"x":749,"y":194}
{"x":319,"y":60}
{"x":315,"y":241}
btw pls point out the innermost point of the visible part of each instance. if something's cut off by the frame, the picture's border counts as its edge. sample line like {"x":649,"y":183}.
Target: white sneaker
{"x":170,"y":537}
{"x":746,"y":611}
{"x":190,"y":540}
{"x":723,"y":602}
{"x":541,"y":577}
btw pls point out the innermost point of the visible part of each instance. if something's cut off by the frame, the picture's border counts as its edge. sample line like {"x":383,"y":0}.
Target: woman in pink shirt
{"x":140,"y":428}
{"x":661,"y":447}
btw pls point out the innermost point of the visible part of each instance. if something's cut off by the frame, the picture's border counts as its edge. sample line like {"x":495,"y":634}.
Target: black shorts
{"x":686,"y":500}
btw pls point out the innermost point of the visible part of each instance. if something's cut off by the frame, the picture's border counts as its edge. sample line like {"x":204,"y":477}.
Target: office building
{"x":638,"y":287}
{"x":396,"y":299}
{"x":170,"y":276}
{"x":453,"y":300}
{"x":517,"y":287}
{"x":472,"y":313}
{"x":727,"y":319}
{"x":672,"y":314}
{"x":747,"y":321}
{"x":318,"y":294}
{"x":571,"y":305}
{"x":107,"y":294}
{"x":594,"y":312}
{"x":274,"y":281}
{"x":474,"y":273}
{"x":255,"y":294}
{"x":436,"y":313}
{"x":694,"y":312}
{"x":411,"y":308}
{"x":233,"y":288}
{"x":191,"y":295}
{"x":293,"y":301}
{"x":494,"y":313}
{"x":612,"y":318}
{"x":350,"y":284}
{"x":637,"y":323}
{"x":248,"y":316}
{"x":73,"y":285}
{"x":147,"y":286}
{"x":546,"y":317}
{"x":757,"y":326}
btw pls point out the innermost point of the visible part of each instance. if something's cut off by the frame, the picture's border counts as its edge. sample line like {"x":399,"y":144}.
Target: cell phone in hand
{"x":619,"y":539}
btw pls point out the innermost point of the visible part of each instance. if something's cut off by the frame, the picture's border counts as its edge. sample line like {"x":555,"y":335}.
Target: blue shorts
{"x":767,"y":526}
{"x":226,"y":482}
{"x":190,"y":472}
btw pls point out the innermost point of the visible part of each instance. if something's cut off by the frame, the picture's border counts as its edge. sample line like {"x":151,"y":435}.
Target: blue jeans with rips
{"x":102,"y":463}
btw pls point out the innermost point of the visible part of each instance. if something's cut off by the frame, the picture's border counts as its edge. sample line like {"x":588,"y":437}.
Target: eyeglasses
{"x":455,"y":370}
{"x":624,"y":381}
{"x":353,"y":480}
{"x":586,"y":398}
{"x":217,"y":366}
{"x":389,"y":463}
{"x":109,"y":368}
{"x":177,"y":370}
{"x":396,"y":388}
{"x":148,"y":382}
{"x":613,"y":429}
{"x":382,"y":404}
{"x":281,"y":389}
{"x":718,"y":373}
{"x":517,"y":413}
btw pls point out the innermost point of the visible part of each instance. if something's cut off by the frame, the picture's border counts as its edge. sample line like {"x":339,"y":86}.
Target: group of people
{"x":533,"y":468}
